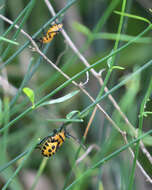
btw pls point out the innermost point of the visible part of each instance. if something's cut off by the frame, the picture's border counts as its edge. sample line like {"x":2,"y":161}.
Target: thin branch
{"x":61,"y":54}
{"x":89,"y":123}
{"x":90,"y":148}
{"x":8,"y":88}
{"x":145,"y":151}
{"x":138,"y":163}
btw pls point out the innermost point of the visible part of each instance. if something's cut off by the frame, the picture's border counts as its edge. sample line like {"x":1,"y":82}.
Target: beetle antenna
{"x":76,"y":140}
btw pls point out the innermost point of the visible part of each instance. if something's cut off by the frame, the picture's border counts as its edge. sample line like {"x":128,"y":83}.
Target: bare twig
{"x":145,"y":151}
{"x":89,"y":123}
{"x":8,"y":88}
{"x":90,"y":148}
{"x":62,"y":54}
{"x":138,"y":163}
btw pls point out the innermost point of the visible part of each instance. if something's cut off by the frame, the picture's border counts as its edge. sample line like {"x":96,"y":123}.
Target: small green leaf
{"x":65,"y":120}
{"x":7,"y":40}
{"x":118,"y":67}
{"x":82,"y":28}
{"x":59,"y":100}
{"x":133,"y":16}
{"x":30,"y":94}
{"x":71,"y":114}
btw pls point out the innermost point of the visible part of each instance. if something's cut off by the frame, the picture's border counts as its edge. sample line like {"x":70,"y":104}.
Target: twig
{"x":90,"y":148}
{"x":138,"y":163}
{"x":8,"y":88}
{"x":145,"y":151}
{"x":89,"y":123}
{"x":61,"y":54}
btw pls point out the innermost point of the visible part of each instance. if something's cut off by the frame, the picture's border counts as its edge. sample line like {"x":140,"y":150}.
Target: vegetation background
{"x":118,"y":47}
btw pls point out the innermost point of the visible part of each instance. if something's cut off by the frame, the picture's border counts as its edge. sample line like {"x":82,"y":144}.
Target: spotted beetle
{"x":50,"y":144}
{"x":49,"y":35}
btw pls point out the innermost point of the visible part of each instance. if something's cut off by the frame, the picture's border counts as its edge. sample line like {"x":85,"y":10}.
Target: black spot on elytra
{"x":44,"y":147}
{"x":54,"y":140}
{"x":53,"y":147}
{"x":49,"y":150}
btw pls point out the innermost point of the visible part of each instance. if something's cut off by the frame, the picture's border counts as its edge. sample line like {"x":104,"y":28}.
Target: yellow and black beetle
{"x":49,"y":35}
{"x":50,"y":144}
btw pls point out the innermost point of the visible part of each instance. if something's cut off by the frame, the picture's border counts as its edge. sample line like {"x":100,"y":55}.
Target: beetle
{"x":50,"y":144}
{"x":49,"y":35}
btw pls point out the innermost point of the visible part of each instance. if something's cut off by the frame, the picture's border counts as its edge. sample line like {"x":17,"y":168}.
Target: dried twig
{"x":90,"y":148}
{"x":8,"y":88}
{"x":62,"y":54}
{"x":138,"y":163}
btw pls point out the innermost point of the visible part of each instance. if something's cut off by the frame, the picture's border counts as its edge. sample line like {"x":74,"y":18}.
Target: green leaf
{"x":118,"y":67}
{"x":7,"y":40}
{"x":59,"y":100}
{"x":68,"y":118}
{"x":30,"y":94}
{"x":65,"y":120}
{"x":71,"y":114}
{"x":82,"y":28}
{"x":133,"y":16}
